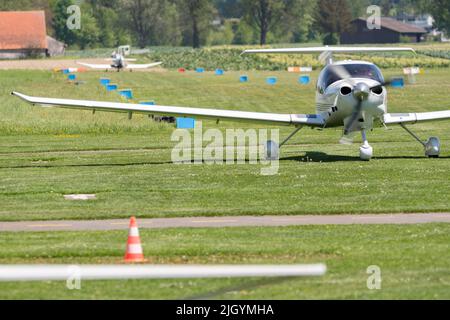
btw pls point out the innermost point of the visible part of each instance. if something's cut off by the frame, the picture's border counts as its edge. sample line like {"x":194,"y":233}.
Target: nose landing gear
{"x":365,"y":151}
{"x":432,"y":146}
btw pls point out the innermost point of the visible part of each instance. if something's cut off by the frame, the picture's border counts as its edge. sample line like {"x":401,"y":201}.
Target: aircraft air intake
{"x":345,"y":90}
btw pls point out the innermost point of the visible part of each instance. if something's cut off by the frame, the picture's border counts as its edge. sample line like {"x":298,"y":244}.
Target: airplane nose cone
{"x":361,"y":91}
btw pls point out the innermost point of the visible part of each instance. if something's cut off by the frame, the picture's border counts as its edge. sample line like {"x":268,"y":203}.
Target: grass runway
{"x":46,"y":153}
{"x":414,"y":261}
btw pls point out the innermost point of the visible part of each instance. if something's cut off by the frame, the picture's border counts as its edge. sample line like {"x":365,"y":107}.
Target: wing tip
{"x":20,"y":95}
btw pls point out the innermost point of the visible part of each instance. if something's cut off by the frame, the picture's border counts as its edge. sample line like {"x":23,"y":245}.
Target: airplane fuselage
{"x":335,"y":98}
{"x":118,"y":61}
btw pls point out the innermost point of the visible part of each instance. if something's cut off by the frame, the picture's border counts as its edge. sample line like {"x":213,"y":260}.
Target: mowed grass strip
{"x":46,"y":153}
{"x":414,"y":261}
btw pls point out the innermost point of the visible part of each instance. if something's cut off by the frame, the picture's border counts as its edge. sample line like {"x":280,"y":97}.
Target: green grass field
{"x":413,"y":260}
{"x":46,"y":153}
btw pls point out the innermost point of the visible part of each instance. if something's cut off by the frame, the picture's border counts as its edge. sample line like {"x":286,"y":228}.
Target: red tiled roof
{"x":22,"y":30}
{"x":398,"y":26}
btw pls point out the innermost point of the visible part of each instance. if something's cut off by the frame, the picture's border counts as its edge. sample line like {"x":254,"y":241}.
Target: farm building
{"x":55,"y":47}
{"x":392,"y":31}
{"x":24,"y":34}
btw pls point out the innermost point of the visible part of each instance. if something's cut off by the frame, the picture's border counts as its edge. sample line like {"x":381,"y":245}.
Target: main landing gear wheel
{"x":432,"y":147}
{"x":271,"y":150}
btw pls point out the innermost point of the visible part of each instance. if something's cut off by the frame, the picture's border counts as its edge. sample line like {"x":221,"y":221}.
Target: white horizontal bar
{"x":108,"y":272}
{"x":328,"y":49}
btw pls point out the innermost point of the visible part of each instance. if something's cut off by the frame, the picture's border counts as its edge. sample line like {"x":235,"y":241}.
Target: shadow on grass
{"x":309,"y":156}
{"x":245,"y":285}
{"x":48,"y":166}
{"x":315,"y":156}
{"x":88,"y":165}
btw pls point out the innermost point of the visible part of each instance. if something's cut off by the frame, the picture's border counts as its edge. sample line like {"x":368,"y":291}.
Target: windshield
{"x":368,"y":71}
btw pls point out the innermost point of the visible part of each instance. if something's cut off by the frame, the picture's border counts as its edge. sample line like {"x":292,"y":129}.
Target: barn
{"x":392,"y":31}
{"x":24,"y":34}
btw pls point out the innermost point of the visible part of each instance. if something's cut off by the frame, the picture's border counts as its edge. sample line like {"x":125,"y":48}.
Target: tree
{"x":359,"y":8}
{"x":152,"y":21}
{"x":86,"y":36}
{"x":8,"y":5}
{"x":168,"y":31}
{"x":264,"y":15}
{"x":386,"y":7}
{"x":440,"y":10}
{"x":299,"y":19}
{"x":89,"y":33}
{"x":142,"y":15}
{"x":197,"y":16}
{"x":59,"y":22}
{"x":229,"y":8}
{"x":333,"y":17}
{"x":106,"y":14}
{"x":223,"y":35}
{"x":244,"y":34}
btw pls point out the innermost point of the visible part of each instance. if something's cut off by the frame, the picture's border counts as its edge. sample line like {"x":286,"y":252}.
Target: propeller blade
{"x":354,"y":118}
{"x":343,"y":74}
{"x":394,"y":82}
{"x":361,"y":93}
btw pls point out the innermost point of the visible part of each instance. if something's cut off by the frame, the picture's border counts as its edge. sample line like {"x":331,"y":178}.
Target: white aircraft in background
{"x":350,"y":94}
{"x":119,"y":62}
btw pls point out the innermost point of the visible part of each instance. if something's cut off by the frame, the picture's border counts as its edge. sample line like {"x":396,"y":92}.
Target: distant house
{"x":392,"y":31}
{"x":425,"y":21}
{"x":24,"y":34}
{"x":55,"y":47}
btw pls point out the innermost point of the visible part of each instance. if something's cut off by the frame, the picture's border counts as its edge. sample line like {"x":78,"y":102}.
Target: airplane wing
{"x":95,"y":66}
{"x":143,"y":66}
{"x":328,"y":49}
{"x":311,"y":120}
{"x":127,"y":59}
{"x":397,"y":118}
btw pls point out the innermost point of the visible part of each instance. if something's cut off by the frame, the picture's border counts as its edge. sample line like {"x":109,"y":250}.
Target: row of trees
{"x":108,"y":23}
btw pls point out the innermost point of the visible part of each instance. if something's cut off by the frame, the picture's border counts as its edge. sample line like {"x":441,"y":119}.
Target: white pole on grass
{"x":110,"y":272}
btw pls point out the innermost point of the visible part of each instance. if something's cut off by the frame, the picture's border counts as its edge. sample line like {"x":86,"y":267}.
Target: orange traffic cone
{"x":134,"y":251}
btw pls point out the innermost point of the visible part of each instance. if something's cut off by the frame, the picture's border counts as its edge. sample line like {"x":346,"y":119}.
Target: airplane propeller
{"x":361,"y":92}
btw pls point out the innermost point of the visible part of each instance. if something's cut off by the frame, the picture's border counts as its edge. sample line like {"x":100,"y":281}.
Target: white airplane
{"x":350,"y":94}
{"x":119,"y":62}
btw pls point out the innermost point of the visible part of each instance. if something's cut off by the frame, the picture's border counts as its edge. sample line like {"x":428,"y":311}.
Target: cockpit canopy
{"x":356,"y":70}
